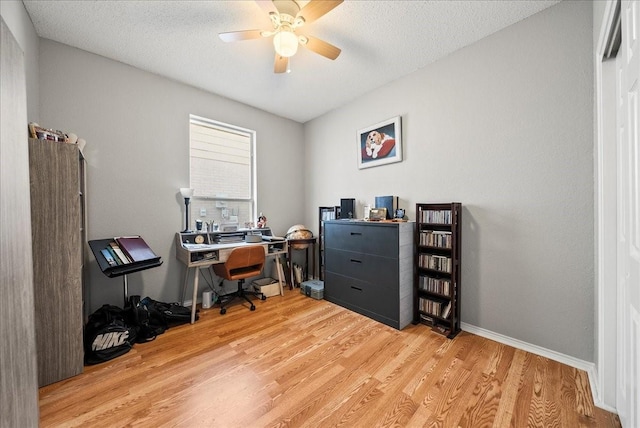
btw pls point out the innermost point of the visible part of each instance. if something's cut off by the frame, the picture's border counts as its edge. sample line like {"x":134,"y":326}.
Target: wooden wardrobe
{"x":57,"y":180}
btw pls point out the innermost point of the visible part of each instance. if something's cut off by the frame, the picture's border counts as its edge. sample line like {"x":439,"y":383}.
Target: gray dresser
{"x":369,"y":269}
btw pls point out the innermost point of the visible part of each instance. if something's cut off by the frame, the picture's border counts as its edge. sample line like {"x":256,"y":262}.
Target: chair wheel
{"x":253,"y":307}
{"x":223,"y":311}
{"x":264,"y":297}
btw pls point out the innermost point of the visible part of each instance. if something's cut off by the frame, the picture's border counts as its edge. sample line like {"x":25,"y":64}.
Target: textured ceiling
{"x":381,"y":41}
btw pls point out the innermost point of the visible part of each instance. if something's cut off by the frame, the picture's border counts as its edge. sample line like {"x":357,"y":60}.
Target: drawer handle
{"x":356,"y":233}
{"x":356,"y":261}
{"x":356,"y":288}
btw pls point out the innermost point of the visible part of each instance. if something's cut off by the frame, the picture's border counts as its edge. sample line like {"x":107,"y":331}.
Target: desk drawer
{"x":378,"y":239}
{"x":366,"y":267}
{"x":370,"y":297}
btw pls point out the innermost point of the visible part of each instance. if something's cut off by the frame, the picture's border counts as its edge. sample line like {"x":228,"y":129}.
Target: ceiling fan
{"x":286,"y":17}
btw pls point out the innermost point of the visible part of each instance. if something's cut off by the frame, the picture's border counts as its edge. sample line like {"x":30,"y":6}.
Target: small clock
{"x":199,"y":239}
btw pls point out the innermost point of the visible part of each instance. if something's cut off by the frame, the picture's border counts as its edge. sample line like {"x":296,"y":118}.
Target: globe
{"x":299,"y":231}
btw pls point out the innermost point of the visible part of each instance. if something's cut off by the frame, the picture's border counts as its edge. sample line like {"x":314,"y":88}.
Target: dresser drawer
{"x":376,"y":239}
{"x":372,"y":298}
{"x":366,"y":267}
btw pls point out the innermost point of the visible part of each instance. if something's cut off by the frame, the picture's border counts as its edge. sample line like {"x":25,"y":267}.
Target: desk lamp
{"x":186,"y":193}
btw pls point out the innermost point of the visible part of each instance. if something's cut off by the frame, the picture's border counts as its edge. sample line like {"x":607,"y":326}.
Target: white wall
{"x":505,"y":127}
{"x":137,"y":126}
{"x":599,"y":8}
{"x":19,"y":22}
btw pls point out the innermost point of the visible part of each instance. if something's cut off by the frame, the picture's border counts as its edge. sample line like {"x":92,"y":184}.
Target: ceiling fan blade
{"x":320,"y":47}
{"x":281,"y":64}
{"x":316,"y":8}
{"x":267,"y":6}
{"x":236,"y":36}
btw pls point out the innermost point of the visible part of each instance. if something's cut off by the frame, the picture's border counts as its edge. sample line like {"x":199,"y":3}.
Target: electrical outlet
{"x":203,"y":212}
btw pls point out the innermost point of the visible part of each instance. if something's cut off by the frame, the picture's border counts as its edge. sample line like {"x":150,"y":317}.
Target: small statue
{"x":262,"y":221}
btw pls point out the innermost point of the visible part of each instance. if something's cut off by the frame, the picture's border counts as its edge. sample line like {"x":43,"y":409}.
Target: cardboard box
{"x":313,"y":288}
{"x":267,"y":286}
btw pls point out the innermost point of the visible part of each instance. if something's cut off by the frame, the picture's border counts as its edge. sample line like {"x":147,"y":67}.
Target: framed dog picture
{"x":380,"y":144}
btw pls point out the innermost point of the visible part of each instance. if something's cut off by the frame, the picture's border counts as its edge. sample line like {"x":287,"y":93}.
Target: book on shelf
{"x":121,"y":255}
{"x":108,"y":257}
{"x":435,"y":216}
{"x":435,"y":262}
{"x":114,"y":256}
{"x":435,"y":285}
{"x":426,"y":319}
{"x":434,"y":238}
{"x":431,"y":307}
{"x":446,"y":311}
{"x":136,"y":248}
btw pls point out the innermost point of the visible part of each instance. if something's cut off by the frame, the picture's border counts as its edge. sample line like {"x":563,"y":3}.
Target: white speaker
{"x":206,"y":299}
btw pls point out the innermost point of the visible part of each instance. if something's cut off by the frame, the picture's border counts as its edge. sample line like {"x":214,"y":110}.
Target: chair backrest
{"x":243,"y":262}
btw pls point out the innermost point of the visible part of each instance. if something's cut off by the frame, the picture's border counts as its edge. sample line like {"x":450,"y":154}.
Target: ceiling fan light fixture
{"x":286,"y":43}
{"x":287,"y":16}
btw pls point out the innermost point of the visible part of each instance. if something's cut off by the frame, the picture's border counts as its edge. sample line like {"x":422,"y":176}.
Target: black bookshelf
{"x":324,"y":214}
{"x":437,"y":267}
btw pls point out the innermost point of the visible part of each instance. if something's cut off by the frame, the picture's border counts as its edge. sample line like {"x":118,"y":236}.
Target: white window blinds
{"x":221,"y":160}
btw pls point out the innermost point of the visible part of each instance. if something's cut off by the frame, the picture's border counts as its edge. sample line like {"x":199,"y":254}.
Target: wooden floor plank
{"x":509,"y":391}
{"x":300,"y":362}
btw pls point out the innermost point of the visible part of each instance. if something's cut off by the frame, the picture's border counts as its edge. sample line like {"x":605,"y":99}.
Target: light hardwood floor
{"x":298,"y":362}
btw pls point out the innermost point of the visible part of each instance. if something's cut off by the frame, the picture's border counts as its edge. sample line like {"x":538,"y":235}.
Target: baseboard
{"x":187,"y":303}
{"x":588,"y":367}
{"x":597,"y":393}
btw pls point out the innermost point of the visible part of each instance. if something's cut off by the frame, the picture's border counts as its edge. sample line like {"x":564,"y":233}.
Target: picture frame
{"x":380,"y":144}
{"x":378,"y":214}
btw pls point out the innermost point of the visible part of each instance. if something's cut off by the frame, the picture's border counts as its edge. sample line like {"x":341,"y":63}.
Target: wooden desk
{"x":311,"y":242}
{"x":199,"y":256}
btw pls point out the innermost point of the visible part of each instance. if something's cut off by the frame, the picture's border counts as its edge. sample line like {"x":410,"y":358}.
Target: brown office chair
{"x":242,"y":263}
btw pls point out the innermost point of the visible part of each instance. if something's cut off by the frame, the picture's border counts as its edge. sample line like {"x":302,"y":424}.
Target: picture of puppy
{"x":380,"y":144}
{"x":375,"y":141}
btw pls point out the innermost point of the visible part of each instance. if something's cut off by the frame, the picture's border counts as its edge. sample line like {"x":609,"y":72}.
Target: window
{"x":222,"y":171}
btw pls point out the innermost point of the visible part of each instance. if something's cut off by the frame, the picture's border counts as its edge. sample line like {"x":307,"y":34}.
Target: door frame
{"x":604,"y":393}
